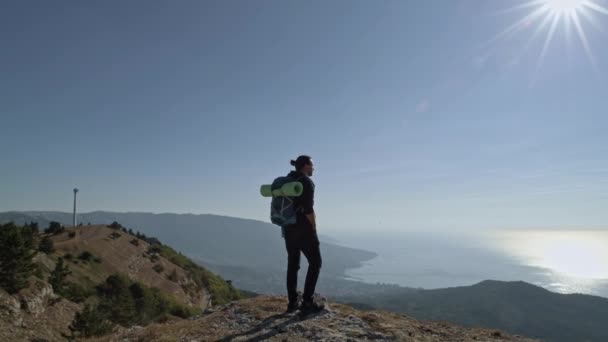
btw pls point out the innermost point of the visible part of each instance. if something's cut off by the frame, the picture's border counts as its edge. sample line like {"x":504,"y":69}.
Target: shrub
{"x":183,"y":311}
{"x":54,"y":228}
{"x":115,"y":225}
{"x":158,"y":268}
{"x":71,"y":234}
{"x":153,"y":241}
{"x":90,"y":322}
{"x":154,"y":249}
{"x":76,"y":292}
{"x":173,"y":276}
{"x":135,"y":242}
{"x":114,"y":235}
{"x":85,"y":256}
{"x":46,"y":245}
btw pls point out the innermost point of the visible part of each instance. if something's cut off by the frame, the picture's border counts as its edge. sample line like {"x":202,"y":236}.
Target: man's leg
{"x":293,"y":265}
{"x":312,"y":252}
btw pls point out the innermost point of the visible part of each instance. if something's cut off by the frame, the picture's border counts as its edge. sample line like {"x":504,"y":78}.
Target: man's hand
{"x":312,"y":218}
{"x":313,"y":221}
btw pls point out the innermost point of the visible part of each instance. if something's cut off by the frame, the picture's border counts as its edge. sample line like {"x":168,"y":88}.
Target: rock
{"x":263,"y":319}
{"x":35,"y":301}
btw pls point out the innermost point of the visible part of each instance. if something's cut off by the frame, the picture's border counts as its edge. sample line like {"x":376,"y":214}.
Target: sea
{"x":564,"y":261}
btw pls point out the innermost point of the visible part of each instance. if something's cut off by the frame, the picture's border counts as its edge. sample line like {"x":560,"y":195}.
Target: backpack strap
{"x":299,"y":209}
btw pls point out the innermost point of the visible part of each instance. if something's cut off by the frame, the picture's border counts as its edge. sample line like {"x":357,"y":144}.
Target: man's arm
{"x":308,"y":202}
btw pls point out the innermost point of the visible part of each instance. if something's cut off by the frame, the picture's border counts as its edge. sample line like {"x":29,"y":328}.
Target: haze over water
{"x":561,"y":261}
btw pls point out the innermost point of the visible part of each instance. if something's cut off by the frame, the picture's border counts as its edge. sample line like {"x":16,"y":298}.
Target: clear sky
{"x":418,"y":114}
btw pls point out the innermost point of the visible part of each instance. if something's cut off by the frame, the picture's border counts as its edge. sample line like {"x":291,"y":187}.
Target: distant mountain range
{"x":219,"y":240}
{"x":517,"y":307}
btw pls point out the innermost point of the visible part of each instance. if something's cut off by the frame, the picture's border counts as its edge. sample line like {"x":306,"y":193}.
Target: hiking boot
{"x":292,"y":306}
{"x":311,"y":307}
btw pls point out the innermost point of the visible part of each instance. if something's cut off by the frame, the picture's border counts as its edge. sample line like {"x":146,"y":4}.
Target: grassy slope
{"x":119,"y":255}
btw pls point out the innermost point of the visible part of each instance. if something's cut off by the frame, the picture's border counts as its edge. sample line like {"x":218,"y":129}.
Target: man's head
{"x":304,"y":164}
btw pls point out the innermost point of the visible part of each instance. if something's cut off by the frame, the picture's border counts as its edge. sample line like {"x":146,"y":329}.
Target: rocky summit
{"x":264,"y":318}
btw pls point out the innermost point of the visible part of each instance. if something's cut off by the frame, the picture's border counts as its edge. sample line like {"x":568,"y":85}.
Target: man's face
{"x":309,"y":168}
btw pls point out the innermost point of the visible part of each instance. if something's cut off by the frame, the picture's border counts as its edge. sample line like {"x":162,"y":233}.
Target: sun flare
{"x":580,"y":254}
{"x":546,"y":16}
{"x":564,"y":6}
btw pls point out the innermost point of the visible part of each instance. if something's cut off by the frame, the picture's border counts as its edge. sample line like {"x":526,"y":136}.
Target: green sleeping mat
{"x":293,"y":189}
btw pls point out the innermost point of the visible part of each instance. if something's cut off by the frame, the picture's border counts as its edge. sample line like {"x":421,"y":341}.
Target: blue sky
{"x":415,"y":116}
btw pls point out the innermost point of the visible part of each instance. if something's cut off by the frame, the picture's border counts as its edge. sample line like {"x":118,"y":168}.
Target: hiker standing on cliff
{"x":302,"y":237}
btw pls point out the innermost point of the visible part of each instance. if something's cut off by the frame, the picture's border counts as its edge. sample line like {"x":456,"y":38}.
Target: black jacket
{"x":306,"y":201}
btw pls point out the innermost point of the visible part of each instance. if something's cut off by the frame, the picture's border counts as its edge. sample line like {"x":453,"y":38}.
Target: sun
{"x":548,"y":15}
{"x":566,"y":7}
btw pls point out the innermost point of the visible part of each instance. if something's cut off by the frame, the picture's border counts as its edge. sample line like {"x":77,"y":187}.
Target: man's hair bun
{"x":301,"y":161}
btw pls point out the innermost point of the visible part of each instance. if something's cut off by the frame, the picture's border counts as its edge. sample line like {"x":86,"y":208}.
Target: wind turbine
{"x":74,"y":217}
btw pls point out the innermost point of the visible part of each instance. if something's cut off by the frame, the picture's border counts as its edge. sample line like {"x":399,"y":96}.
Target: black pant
{"x":301,"y":238}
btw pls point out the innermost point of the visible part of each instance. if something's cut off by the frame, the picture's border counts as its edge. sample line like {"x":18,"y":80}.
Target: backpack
{"x":283,"y":209}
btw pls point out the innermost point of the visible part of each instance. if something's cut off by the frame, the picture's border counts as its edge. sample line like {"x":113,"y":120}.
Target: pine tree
{"x":28,"y":237}
{"x":58,"y":277}
{"x":15,"y":257}
{"x":117,"y":300}
{"x":34,"y":226}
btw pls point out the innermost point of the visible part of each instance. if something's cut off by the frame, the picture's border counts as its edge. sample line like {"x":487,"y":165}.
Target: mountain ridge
{"x":223,"y":240}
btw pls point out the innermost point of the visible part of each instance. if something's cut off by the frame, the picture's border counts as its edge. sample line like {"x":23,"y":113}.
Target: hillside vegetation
{"x":83,"y":281}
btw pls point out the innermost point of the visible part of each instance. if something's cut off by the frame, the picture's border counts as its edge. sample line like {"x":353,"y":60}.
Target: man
{"x":302,"y":237}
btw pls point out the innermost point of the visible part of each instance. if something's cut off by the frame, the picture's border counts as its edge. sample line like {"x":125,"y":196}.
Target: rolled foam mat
{"x":293,"y":189}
